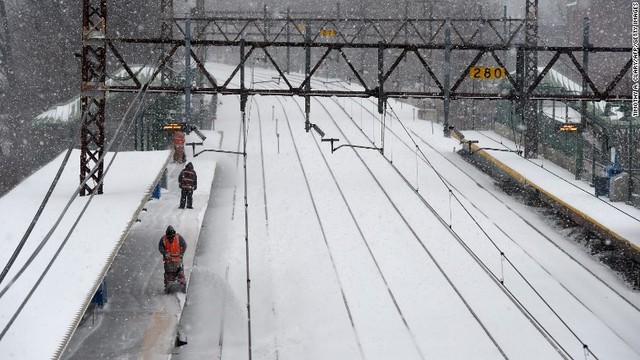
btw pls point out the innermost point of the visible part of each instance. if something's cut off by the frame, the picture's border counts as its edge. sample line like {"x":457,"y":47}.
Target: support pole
{"x":381,"y":95}
{"x":307,"y":75}
{"x":243,"y":92}
{"x":266,"y":30}
{"x":288,"y":33}
{"x":166,"y":33}
{"x":529,"y":107}
{"x":92,"y":98}
{"x":187,"y":71}
{"x":447,"y":77}
{"x":243,"y":108}
{"x":583,"y":103}
{"x":382,"y":100}
{"x":520,"y":82}
{"x":505,"y":35}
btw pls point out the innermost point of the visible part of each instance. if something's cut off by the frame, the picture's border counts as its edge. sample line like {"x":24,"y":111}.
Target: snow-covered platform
{"x":139,"y":319}
{"x":615,"y":221}
{"x":43,"y":299}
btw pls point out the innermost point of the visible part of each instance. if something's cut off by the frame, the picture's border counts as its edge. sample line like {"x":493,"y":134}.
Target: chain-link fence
{"x":604,"y":142}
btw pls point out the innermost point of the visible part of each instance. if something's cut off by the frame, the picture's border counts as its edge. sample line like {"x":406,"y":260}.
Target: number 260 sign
{"x":487,"y":73}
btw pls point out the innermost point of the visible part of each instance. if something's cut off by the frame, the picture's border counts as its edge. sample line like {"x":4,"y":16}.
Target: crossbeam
{"x":355,"y":30}
{"x":295,"y":84}
{"x":439,"y":52}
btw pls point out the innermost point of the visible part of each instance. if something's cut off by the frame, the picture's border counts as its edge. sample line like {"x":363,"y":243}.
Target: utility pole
{"x":92,"y":99}
{"x":528,"y":107}
{"x":288,"y":68}
{"x":187,"y":72}
{"x":307,"y":74}
{"x":166,"y":33}
{"x":202,"y":54}
{"x":447,"y":77}
{"x":583,"y":103}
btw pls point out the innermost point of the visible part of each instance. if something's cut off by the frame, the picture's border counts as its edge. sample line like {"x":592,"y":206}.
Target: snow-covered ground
{"x":352,"y":254}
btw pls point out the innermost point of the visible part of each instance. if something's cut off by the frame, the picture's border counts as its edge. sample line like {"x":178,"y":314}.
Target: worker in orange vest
{"x":178,"y":140}
{"x":172,"y":247}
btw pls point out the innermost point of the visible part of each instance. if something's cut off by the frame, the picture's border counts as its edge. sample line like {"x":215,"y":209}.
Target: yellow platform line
{"x":523,"y":180}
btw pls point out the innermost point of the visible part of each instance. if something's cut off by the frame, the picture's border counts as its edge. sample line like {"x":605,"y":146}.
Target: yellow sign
{"x":173,"y":126}
{"x":328,"y":32}
{"x":570,"y":127}
{"x":487,"y":73}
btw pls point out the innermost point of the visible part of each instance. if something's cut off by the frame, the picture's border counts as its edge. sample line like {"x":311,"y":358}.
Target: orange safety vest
{"x":173,"y":249}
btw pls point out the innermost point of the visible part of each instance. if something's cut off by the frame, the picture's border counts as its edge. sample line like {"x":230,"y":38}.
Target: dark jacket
{"x":188,"y":180}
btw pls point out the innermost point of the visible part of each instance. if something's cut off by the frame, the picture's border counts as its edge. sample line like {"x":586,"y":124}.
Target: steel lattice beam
{"x":94,"y":52}
{"x":499,"y":54}
{"x":317,"y":40}
{"x":529,"y":106}
{"x":359,"y":30}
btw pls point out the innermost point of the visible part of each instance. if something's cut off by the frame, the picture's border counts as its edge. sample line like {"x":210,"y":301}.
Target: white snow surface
{"x":352,"y":254}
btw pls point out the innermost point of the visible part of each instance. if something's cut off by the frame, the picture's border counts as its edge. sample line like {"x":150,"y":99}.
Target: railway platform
{"x":616,"y":223}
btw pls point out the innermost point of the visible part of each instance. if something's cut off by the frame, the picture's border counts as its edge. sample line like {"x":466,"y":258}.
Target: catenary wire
{"x":480,"y":262}
{"x":501,"y":252}
{"x":140,"y":97}
{"x":366,"y":243}
{"x":264,"y":182}
{"x":533,"y":227}
{"x":424,"y":247}
{"x":324,"y":236}
{"x":526,"y":221}
{"x":504,"y":289}
{"x":565,"y":180}
{"x":45,"y":200}
{"x":523,"y":309}
{"x":507,"y":291}
{"x":331,"y":257}
{"x":575,"y":260}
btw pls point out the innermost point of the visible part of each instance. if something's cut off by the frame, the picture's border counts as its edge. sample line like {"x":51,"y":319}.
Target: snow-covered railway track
{"x":393,"y":207}
{"x":399,"y":263}
{"x":514,"y":212}
{"x":328,"y":224}
{"x":592,"y":306}
{"x":542,"y":234}
{"x":411,"y":227}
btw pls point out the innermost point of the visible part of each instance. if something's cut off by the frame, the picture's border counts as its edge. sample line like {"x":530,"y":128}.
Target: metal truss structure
{"x":528,"y":106}
{"x":500,"y":55}
{"x":94,"y":55}
{"x":358,"y":30}
{"x":370,"y":52}
{"x":166,"y":32}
